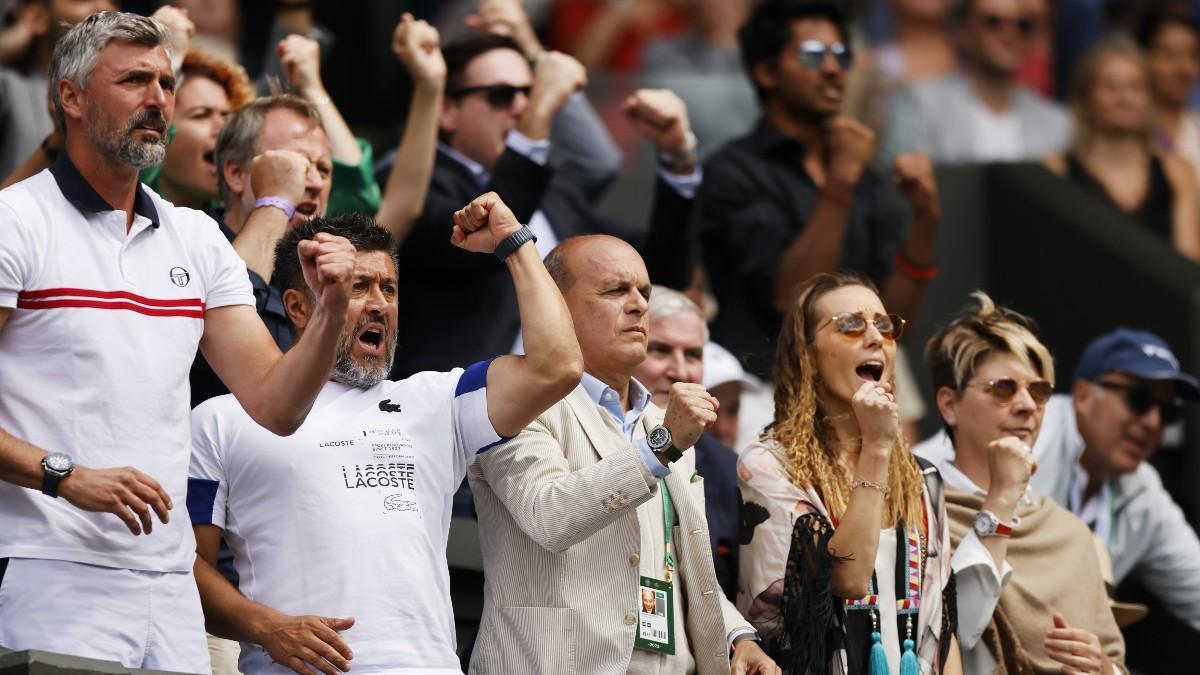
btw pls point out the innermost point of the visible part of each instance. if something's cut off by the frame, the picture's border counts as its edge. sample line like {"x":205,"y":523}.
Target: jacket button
{"x":634,"y":559}
{"x":630,"y":618}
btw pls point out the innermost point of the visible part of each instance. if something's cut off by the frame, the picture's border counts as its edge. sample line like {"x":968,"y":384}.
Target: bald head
{"x":607,"y":289}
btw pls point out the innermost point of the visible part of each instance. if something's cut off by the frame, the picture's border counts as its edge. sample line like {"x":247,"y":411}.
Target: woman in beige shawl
{"x":1037,"y":566}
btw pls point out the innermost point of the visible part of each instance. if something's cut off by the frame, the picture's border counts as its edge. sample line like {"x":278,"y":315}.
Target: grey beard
{"x":127,"y":151}
{"x":349,"y":373}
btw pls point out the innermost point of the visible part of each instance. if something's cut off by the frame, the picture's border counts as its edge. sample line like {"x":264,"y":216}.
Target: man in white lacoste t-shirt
{"x":339,"y":531}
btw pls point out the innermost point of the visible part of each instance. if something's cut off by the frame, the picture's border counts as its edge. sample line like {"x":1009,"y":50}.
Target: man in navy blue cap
{"x":1092,"y":456}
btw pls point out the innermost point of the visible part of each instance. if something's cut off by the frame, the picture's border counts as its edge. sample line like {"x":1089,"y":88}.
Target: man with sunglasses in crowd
{"x":529,"y":134}
{"x":1092,"y":459}
{"x":1092,"y":455}
{"x":980,"y":114}
{"x":796,"y":197}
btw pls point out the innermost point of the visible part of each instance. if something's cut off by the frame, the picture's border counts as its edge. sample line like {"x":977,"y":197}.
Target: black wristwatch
{"x":659,"y":440}
{"x":514,"y":241}
{"x":55,"y":467}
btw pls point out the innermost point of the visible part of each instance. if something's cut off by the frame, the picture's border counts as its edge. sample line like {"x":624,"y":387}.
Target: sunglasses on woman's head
{"x":854,"y":324}
{"x":1140,"y":399}
{"x":1005,"y":390}
{"x":498,"y":96}
{"x":812,"y":54}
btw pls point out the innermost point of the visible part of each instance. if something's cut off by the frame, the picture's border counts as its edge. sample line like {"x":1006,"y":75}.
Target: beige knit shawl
{"x":1055,"y":569}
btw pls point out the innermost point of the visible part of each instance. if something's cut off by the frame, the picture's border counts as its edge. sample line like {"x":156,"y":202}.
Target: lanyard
{"x":668,"y":521}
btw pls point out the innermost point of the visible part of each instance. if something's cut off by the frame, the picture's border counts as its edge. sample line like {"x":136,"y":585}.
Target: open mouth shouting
{"x":370,"y":339}
{"x":870,"y":370}
{"x":307,"y":208}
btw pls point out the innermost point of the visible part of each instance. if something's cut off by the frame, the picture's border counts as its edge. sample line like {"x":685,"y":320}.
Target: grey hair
{"x":665,"y":302}
{"x":76,"y":53}
{"x":237,"y":141}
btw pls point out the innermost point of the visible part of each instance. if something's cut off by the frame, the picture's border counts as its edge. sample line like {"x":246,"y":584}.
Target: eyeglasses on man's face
{"x":812,"y":54}
{"x":1005,"y":389}
{"x":498,"y":96}
{"x":1140,"y":399}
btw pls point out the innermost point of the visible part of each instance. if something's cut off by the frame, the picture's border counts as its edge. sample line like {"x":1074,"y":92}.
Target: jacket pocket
{"x":534,"y":640}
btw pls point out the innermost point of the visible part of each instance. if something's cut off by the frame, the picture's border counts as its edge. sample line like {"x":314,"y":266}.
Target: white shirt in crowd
{"x":350,"y":515}
{"x":94,"y":358}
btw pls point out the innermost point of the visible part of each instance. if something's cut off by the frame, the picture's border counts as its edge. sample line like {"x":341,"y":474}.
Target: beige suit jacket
{"x":560,"y":537}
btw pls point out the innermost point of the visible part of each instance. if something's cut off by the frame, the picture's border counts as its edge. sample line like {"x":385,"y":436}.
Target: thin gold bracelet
{"x":858,"y":482}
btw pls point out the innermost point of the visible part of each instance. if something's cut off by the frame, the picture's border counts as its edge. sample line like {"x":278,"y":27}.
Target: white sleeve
{"x":208,"y":487}
{"x":16,"y":256}
{"x":979,"y":588}
{"x":473,"y":430}
{"x":228,"y":283}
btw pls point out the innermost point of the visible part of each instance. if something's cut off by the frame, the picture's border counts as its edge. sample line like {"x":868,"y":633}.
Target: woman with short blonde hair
{"x":1028,"y":579}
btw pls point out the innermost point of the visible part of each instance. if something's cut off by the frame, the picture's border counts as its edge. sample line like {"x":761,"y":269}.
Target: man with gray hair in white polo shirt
{"x":106,"y":292}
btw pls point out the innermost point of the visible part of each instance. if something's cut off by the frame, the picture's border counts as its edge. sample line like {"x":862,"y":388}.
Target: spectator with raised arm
{"x":499,"y":130}
{"x":353,"y":167}
{"x":1030,"y":593}
{"x":797,"y":197}
{"x":416,"y":44}
{"x":101,"y":270}
{"x":401,"y":450}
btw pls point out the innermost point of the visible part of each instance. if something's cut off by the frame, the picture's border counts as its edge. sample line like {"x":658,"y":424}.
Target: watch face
{"x":983,"y":524}
{"x":659,"y":437}
{"x":58,"y":461}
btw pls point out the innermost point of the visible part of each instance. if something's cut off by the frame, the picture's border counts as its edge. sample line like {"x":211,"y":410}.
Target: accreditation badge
{"x":656,"y":617}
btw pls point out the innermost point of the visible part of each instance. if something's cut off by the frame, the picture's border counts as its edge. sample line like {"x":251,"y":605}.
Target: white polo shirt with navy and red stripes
{"x":94,"y":358}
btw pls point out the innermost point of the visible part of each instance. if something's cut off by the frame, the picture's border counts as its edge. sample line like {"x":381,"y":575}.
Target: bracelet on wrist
{"x":280,"y":203}
{"x":514,"y":241}
{"x":858,"y":482}
{"x":839,"y":200}
{"x":912,"y":270}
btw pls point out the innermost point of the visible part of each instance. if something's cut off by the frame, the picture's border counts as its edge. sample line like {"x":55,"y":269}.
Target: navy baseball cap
{"x":1136,"y":353}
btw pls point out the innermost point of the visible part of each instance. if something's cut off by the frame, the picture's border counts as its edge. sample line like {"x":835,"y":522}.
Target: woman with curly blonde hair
{"x":845,"y":559}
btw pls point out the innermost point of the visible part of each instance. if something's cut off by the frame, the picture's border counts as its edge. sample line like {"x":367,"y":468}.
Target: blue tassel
{"x":877,"y":664}
{"x":908,"y":662}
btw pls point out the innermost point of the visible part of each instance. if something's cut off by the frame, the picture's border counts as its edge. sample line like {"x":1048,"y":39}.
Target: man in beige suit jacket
{"x":571,"y":511}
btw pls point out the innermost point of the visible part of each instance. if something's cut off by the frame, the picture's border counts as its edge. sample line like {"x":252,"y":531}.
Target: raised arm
{"x":583,"y":150}
{"x":415,"y":43}
{"x":275,"y":173}
{"x":519,"y":388}
{"x":301,"y":60}
{"x":856,"y":539}
{"x":295,"y":642}
{"x":849,"y":146}
{"x":905,"y":288}
{"x":669,"y":249}
{"x":277,"y":390}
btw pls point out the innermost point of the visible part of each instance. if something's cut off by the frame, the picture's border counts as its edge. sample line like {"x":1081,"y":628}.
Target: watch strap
{"x":672,"y":453}
{"x":514,"y":241}
{"x":50,"y":481}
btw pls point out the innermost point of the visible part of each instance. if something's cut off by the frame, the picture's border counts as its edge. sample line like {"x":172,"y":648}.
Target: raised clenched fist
{"x":850,"y":145}
{"x":690,"y":409}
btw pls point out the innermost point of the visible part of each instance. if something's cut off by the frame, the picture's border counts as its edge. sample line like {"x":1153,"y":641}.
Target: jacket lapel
{"x":590,"y":416}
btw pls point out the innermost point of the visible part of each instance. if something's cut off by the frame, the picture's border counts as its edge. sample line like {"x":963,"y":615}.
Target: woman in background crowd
{"x":1113,"y":156}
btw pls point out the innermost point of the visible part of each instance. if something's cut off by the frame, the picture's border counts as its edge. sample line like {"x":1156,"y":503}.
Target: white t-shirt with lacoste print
{"x":349,"y":516}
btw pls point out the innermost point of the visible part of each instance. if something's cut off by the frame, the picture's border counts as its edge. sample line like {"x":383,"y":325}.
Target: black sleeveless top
{"x":1155,"y":210}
